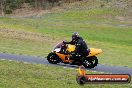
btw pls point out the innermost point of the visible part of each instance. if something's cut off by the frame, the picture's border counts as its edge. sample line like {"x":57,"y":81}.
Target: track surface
{"x":39,"y":60}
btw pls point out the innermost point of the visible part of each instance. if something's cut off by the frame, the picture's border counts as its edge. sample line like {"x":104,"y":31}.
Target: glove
{"x":64,"y":42}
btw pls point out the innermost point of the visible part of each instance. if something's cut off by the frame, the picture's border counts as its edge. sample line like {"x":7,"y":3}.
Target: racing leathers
{"x":81,"y":49}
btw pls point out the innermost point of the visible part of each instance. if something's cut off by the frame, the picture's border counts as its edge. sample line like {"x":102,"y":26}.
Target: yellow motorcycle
{"x":60,"y":55}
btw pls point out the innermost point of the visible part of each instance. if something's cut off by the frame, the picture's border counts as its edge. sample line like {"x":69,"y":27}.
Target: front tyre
{"x":53,"y":58}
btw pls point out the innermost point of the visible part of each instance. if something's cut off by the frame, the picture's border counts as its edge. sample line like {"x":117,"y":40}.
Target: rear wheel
{"x":94,"y":60}
{"x":90,"y":62}
{"x":53,"y":58}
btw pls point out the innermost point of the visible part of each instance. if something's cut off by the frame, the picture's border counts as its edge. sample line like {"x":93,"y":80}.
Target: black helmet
{"x":75,"y":36}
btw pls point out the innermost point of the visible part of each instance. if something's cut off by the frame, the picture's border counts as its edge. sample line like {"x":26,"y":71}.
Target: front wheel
{"x":90,"y":62}
{"x":53,"y":58}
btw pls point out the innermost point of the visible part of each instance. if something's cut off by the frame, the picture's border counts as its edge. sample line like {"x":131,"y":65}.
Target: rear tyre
{"x":87,"y":64}
{"x":53,"y":58}
{"x":90,"y":62}
{"x":94,"y":60}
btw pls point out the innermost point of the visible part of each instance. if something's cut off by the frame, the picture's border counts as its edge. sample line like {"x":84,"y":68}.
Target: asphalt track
{"x":40,"y":60}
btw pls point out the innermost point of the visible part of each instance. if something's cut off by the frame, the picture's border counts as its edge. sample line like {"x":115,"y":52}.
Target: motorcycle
{"x":61,"y":54}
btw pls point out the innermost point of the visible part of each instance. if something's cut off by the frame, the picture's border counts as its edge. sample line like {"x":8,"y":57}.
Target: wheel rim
{"x":88,"y":63}
{"x":95,"y":61}
{"x":53,"y":58}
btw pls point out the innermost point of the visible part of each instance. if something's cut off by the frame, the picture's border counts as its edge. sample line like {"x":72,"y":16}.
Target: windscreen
{"x":59,"y":45}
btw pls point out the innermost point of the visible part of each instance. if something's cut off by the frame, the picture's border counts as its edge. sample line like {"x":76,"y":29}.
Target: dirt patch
{"x":8,"y":33}
{"x":27,"y":11}
{"x":121,"y":19}
{"x":124,"y":19}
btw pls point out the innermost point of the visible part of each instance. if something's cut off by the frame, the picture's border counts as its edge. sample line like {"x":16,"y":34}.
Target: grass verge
{"x":17,"y":74}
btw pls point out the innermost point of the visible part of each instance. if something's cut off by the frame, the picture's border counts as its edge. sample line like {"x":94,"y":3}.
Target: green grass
{"x":26,"y":47}
{"x":99,"y":27}
{"x":19,"y":75}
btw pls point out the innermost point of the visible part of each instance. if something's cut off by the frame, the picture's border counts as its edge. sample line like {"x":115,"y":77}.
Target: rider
{"x":81,"y":49}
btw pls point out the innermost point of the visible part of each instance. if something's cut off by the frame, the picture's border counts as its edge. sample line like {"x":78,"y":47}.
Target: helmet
{"x":75,"y":36}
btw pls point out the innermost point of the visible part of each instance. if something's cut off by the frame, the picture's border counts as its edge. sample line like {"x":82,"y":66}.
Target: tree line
{"x":8,"y":6}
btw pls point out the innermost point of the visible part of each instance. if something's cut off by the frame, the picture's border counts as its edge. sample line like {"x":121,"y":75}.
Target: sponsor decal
{"x":83,"y":78}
